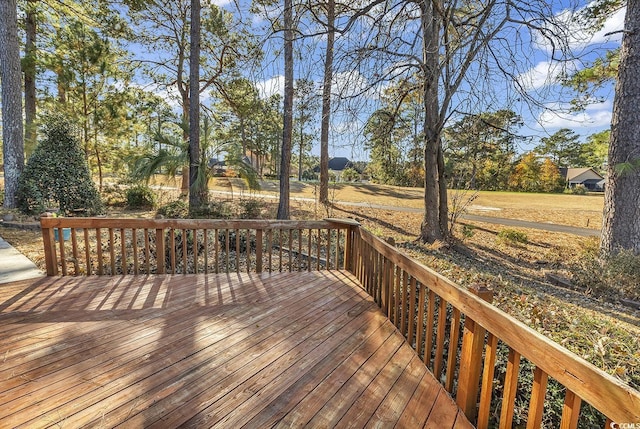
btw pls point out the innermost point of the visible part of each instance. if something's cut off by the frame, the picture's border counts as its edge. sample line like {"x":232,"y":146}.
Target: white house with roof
{"x":587,"y":177}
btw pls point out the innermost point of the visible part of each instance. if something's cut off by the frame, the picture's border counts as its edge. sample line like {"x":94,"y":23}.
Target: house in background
{"x":338,"y":165}
{"x":587,"y":177}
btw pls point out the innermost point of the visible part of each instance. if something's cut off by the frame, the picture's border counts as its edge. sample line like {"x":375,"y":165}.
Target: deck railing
{"x":459,"y":337}
{"x":458,"y":334}
{"x":102,"y":246}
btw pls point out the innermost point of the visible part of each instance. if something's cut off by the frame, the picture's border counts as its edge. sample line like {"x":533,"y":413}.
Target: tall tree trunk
{"x":430,"y":229}
{"x":444,"y":198}
{"x":326,"y":104}
{"x":287,"y":133}
{"x":29,"y":66}
{"x":301,"y":148}
{"x":186,"y":108}
{"x":12,"y":128}
{"x":196,"y":192}
{"x":621,"y":218}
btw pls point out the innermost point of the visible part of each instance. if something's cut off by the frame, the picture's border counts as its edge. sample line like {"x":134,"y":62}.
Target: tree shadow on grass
{"x":359,"y":216}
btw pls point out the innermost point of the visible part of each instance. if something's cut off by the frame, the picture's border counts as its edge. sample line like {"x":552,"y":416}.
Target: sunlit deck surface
{"x":226,"y":350}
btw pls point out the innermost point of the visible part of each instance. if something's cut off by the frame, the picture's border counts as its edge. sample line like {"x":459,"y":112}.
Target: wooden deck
{"x":227,"y":350}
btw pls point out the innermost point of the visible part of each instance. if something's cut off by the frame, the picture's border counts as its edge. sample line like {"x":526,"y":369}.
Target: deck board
{"x":218,"y":350}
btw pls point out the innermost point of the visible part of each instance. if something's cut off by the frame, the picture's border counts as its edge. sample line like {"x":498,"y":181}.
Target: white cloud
{"x":352,"y":84}
{"x":543,"y":74}
{"x":271,"y":86}
{"x":576,"y":31}
{"x":614,"y":23}
{"x":220,"y":3}
{"x":597,"y":115}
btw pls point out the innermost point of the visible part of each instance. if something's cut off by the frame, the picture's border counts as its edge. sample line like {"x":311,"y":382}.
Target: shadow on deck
{"x":226,"y":350}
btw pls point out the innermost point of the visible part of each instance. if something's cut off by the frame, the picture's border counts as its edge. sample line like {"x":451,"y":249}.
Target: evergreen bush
{"x":177,"y":209}
{"x":57,"y":173}
{"x":140,"y":197}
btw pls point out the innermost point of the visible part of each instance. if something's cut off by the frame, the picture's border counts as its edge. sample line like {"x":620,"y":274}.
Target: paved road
{"x":552,"y":227}
{"x":584,"y":232}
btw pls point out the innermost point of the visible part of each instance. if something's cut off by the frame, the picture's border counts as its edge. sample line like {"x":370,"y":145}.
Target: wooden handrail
{"x":612,"y":397}
{"x":98,"y":246}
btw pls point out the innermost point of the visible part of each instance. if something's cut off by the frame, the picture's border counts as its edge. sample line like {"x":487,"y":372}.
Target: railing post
{"x":258,"y":250}
{"x":348,"y":249}
{"x":160,"y":250}
{"x":471,"y":358}
{"x":49,"y":246}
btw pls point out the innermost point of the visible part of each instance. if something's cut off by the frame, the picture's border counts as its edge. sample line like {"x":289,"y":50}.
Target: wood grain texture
{"x":226,"y":350}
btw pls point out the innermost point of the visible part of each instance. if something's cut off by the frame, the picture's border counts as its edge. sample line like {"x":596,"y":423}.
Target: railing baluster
{"x":112,"y":251}
{"x":63,"y":259}
{"x":238,"y":238}
{"x":172,"y":250}
{"x":454,"y":333}
{"x":216,"y":250}
{"x":328,"y":251}
{"x":570,"y":411}
{"x":74,"y":252}
{"x":336,"y":263}
{"x":248,"y":250}
{"x":309,"y":251}
{"x":227,"y":250}
{"x":428,"y":341}
{"x":290,"y":250}
{"x":258,"y":250}
{"x":87,"y":252}
{"x":536,"y":405}
{"x":185,"y":251}
{"x":318,"y":249}
{"x":412,"y":310}
{"x":397,"y":300}
{"x":442,"y":322}
{"x":280,"y":250}
{"x":299,"y":258}
{"x":99,"y":249}
{"x":403,"y":312}
{"x":147,"y":252}
{"x":160,"y":251}
{"x":205,"y":243}
{"x":510,"y":389}
{"x":123,"y":251}
{"x":420,"y":330}
{"x":484,"y":409}
{"x":134,"y":242}
{"x":270,"y":249}
{"x":195,"y":251}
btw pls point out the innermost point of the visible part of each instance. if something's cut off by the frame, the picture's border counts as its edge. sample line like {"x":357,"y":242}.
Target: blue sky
{"x":540,"y":80}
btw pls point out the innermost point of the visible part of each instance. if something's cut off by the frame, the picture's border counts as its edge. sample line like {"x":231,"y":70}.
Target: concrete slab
{"x":14,"y":265}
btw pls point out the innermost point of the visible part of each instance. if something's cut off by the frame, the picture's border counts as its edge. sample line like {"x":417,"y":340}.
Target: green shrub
{"x":57,"y":173}
{"x":513,"y":237}
{"x":468,"y":231}
{"x":114,"y":195}
{"x":1,"y":197}
{"x":250,"y":208}
{"x":177,"y":209}
{"x":350,"y":175}
{"x":140,"y":197}
{"x":213,"y":210}
{"x":576,"y":190}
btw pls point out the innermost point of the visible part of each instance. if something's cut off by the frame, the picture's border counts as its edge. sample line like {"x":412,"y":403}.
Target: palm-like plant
{"x":173,"y":156}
